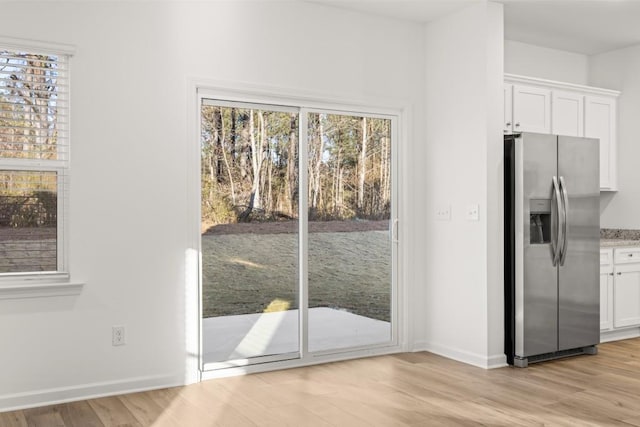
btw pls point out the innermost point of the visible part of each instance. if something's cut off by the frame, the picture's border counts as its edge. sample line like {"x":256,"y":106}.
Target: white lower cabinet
{"x":619,"y":293}
{"x":626,"y":296}
{"x":606,"y":289}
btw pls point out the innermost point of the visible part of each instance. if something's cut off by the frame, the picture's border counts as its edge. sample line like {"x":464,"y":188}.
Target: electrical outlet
{"x":117,"y":335}
{"x":443,"y":213}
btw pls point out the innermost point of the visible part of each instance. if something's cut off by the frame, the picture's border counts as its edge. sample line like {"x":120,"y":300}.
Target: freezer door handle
{"x":556,"y":216}
{"x":565,"y":220}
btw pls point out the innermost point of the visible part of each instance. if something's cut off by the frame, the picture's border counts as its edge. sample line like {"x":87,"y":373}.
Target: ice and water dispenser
{"x":539,"y":221}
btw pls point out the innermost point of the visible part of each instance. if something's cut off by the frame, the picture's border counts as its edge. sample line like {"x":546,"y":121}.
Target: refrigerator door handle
{"x":555,"y":222}
{"x":565,"y":220}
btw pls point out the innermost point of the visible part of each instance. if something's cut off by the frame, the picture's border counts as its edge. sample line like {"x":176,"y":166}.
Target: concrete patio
{"x":260,"y":334}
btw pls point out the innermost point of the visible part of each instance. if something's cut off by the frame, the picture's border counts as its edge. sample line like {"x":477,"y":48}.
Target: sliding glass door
{"x":350,"y":247}
{"x":274,"y":287}
{"x":249,"y":233}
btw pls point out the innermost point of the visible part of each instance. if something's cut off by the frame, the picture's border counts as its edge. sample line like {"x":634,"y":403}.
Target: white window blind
{"x":34,"y":156}
{"x":34,"y":112}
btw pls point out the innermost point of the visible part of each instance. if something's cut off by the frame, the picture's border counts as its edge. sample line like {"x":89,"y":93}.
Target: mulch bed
{"x":27,"y":233}
{"x":282,"y":227}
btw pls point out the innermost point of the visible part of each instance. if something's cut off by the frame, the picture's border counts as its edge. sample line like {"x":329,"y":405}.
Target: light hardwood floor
{"x":415,"y":389}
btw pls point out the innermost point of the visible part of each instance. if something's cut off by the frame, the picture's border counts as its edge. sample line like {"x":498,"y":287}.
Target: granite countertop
{"x":611,"y":237}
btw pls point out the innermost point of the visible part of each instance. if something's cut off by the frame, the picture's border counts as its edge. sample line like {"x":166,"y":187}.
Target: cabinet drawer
{"x":606,"y":256}
{"x":625,"y":256}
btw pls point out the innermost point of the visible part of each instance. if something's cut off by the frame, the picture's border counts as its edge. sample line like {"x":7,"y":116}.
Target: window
{"x":34,"y":161}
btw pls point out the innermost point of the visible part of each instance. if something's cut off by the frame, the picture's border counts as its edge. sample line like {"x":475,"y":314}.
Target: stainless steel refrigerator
{"x":552,"y":247}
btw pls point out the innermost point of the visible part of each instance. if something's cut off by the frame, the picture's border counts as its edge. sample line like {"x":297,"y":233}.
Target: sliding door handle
{"x":394,"y":231}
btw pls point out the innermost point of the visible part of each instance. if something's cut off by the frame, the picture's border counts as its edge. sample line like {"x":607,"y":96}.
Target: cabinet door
{"x":508,"y":109}
{"x":606,"y":301}
{"x":606,"y":289}
{"x":567,"y":113}
{"x":626,"y":295}
{"x":600,"y":122}
{"x":531,"y":109}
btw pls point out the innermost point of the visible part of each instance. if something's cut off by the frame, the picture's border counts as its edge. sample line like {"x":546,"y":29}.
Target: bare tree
{"x":250,"y":165}
{"x":316,"y":150}
{"x":362,"y":164}
{"x":292,"y":160}
{"x":226,"y":161}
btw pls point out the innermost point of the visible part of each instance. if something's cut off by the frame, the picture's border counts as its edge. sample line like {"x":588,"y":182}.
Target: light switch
{"x":443,"y":213}
{"x":473,"y":213}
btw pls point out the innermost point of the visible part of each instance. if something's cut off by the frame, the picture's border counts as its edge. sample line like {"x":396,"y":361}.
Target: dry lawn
{"x":245,"y":272}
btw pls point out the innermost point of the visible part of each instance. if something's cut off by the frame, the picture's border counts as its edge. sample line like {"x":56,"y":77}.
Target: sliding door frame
{"x":393,"y":230}
{"x":305,"y":103}
{"x":204,"y":100}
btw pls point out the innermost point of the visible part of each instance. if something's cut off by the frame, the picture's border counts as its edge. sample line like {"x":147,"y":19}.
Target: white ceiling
{"x":409,"y":10}
{"x":583,"y":26}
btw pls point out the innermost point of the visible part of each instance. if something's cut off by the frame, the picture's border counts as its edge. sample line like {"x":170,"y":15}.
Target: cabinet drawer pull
{"x":619,"y":273}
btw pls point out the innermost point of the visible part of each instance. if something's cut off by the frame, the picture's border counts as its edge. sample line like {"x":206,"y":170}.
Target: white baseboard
{"x":497,"y":361}
{"x":481,"y":361}
{"x":616,"y":335}
{"x":418,"y":346}
{"x":52,"y":396}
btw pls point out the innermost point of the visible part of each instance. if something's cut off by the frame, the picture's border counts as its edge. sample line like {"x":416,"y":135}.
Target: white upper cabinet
{"x":545,"y":106}
{"x":531,"y":109}
{"x":600,"y":119}
{"x":567,"y":113}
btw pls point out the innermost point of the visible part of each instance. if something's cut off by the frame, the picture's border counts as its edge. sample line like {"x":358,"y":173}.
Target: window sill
{"x":39,"y":290}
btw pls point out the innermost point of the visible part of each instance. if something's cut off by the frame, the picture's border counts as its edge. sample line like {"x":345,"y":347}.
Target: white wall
{"x":495,"y":196}
{"x":129,"y":167}
{"x":620,"y":70}
{"x":551,"y":64}
{"x":463,"y":274}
